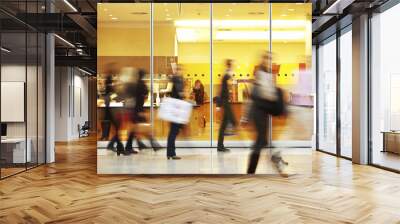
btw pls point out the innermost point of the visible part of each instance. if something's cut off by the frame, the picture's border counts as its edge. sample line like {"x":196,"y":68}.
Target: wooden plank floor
{"x":70,"y":191}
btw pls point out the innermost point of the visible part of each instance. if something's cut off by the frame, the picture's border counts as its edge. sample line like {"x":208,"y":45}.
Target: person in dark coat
{"x":228,"y":116}
{"x":141,"y":91}
{"x":264,"y":88}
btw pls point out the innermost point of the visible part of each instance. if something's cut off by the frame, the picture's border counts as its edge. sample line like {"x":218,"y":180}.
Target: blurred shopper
{"x":267,"y":99}
{"x":109,"y":115}
{"x":198,"y":92}
{"x":177,"y":92}
{"x":130,"y":77}
{"x":223,"y":101}
{"x":140,"y":120}
{"x":108,"y":91}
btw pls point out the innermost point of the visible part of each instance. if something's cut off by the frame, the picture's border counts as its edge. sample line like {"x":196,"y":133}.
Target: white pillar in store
{"x":50,"y":92}
{"x":360,"y":90}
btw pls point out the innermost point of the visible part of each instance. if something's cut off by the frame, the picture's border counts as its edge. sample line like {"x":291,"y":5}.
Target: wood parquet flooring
{"x":70,"y":191}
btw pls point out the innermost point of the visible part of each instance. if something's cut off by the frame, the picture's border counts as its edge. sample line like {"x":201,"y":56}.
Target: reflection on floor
{"x":198,"y":161}
{"x":387,"y":159}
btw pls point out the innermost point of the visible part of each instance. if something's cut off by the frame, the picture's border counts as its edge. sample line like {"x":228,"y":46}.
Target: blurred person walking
{"x":140,"y":120}
{"x":177,"y":92}
{"x":109,"y":115}
{"x":267,"y":99}
{"x":130,"y":77}
{"x":223,"y":101}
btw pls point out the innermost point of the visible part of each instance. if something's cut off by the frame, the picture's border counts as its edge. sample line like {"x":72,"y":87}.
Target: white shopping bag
{"x":175,"y":110}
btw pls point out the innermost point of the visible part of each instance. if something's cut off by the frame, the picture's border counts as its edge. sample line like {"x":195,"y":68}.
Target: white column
{"x":50,"y":98}
{"x":360,"y":90}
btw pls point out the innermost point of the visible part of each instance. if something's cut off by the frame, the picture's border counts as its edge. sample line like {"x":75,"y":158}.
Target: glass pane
{"x":123,"y":35}
{"x":291,"y":66}
{"x":346,"y":94}
{"x":327,"y":96}
{"x":182,"y":38}
{"x":14,"y":154}
{"x":385,"y":85}
{"x":240,"y":36}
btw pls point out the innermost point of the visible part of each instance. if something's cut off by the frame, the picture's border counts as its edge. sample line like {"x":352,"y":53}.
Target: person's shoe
{"x":280,"y":165}
{"x":129,"y":150}
{"x":141,"y":145}
{"x":173,"y":157}
{"x":155,"y":146}
{"x":110,"y":146}
{"x":223,"y":149}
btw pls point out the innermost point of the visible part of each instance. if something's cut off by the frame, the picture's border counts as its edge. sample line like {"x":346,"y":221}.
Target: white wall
{"x":71,"y":102}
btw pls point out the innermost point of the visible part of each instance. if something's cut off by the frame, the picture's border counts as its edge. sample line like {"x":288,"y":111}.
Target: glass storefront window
{"x":327,"y":96}
{"x":198,"y":38}
{"x":346,"y":93}
{"x":291,"y":48}
{"x":385,"y":88}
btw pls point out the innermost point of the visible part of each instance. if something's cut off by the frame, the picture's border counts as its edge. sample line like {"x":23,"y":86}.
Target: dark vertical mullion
{"x":338,"y":98}
{"x":316,"y":97}
{"x":37,"y":90}
{"x":369,"y":90}
{"x":26,"y":87}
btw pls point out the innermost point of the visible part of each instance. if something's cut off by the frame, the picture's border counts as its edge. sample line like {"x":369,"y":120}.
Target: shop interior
{"x":200,"y":37}
{"x":125,"y":39}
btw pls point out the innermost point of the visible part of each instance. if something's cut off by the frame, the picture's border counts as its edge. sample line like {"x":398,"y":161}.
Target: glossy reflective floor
{"x":199,"y":161}
{"x":70,"y":191}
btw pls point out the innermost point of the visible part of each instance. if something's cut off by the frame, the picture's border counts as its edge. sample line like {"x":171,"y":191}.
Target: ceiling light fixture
{"x":70,"y":5}
{"x":5,"y":50}
{"x":114,"y":18}
{"x":291,"y":10}
{"x":283,"y":15}
{"x":64,"y":40}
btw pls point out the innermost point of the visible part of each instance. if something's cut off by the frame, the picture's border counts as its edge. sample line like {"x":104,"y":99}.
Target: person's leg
{"x":173,"y":132}
{"x":222,"y":129}
{"x":230,"y":116}
{"x":260,"y":122}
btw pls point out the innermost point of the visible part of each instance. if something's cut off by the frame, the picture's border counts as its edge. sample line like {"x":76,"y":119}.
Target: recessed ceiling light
{"x":166,"y":10}
{"x":168,"y":19}
{"x":105,"y":10}
{"x":227,"y":15}
{"x":110,"y":15}
{"x":291,"y":10}
{"x":283,"y":15}
{"x":114,"y":18}
{"x":165,"y":4}
{"x":234,"y":3}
